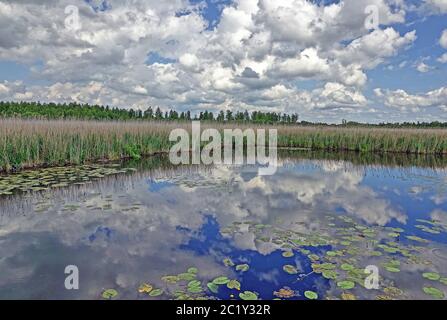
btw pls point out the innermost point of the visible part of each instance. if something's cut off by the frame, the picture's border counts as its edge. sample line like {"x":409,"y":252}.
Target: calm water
{"x":314,"y":226}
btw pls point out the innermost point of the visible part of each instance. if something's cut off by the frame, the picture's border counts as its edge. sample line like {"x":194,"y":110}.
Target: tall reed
{"x":32,"y":143}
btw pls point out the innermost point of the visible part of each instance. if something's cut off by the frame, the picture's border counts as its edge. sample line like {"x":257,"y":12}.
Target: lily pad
{"x":145,"y":288}
{"x":221,"y":280}
{"x":434,"y":292}
{"x":242,"y":267}
{"x":346,"y":285}
{"x":228,"y":262}
{"x":248,"y":295}
{"x":311,"y":295}
{"x":109,"y":294}
{"x":348,"y":296}
{"x":431,"y":276}
{"x":287,"y":254}
{"x":156,"y":293}
{"x":347,"y":267}
{"x":290,"y":269}
{"x":214,"y":288}
{"x":234,"y":284}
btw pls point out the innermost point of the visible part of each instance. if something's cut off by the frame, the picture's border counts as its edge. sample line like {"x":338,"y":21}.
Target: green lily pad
{"x":431,"y":276}
{"x":311,"y":295}
{"x":248,"y":295}
{"x":186,"y":276}
{"x":392,"y":269}
{"x":287,"y":254}
{"x":347,"y":267}
{"x":242,"y":267}
{"x":234,"y":284}
{"x":156,"y":293}
{"x":330,"y":274}
{"x":221,"y":280}
{"x":228,"y":262}
{"x":109,"y":294}
{"x":346,"y":285}
{"x":194,"y":283}
{"x":214,"y":288}
{"x":290,"y":269}
{"x":443,"y":281}
{"x":434,"y":292}
{"x":193,"y":270}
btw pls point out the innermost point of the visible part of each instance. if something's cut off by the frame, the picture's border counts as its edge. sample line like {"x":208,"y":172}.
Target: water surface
{"x":308,"y":231}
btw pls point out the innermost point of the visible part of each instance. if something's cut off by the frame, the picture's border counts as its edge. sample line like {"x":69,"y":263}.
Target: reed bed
{"x":36,"y":143}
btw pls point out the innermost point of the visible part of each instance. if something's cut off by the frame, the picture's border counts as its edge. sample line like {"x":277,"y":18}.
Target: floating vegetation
{"x":285,"y":293}
{"x":145,"y":288}
{"x":290,"y":269}
{"x":311,"y":295}
{"x":248,"y":295}
{"x":346,"y":285}
{"x":109,"y":294}
{"x":242,"y":267}
{"x":51,"y":178}
{"x":434,"y":292}
{"x":431,"y":276}
{"x":348,"y":296}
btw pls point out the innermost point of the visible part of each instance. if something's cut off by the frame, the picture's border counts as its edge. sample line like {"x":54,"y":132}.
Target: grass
{"x":36,"y":143}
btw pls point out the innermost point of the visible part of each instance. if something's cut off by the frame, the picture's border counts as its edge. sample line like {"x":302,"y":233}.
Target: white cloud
{"x":404,"y":101}
{"x":423,"y":68}
{"x":254,"y":58}
{"x":443,"y":39}
{"x":443,"y":58}
{"x":438,"y":6}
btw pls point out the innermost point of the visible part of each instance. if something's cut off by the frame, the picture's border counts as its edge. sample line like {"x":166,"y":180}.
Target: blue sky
{"x":311,"y":57}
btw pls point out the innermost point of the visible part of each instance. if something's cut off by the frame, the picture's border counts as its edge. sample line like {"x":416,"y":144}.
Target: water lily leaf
{"x":330,"y":274}
{"x":221,"y":280}
{"x":109,"y":294}
{"x":443,"y":281}
{"x":434,"y":292}
{"x":214,"y":288}
{"x":242,"y":267}
{"x":313,"y":257}
{"x":431,"y":276}
{"x":234,"y":284}
{"x":346,"y":285}
{"x":347,"y":267}
{"x":418,"y":239}
{"x":228,"y":262}
{"x":145,"y":288}
{"x":311,"y":295}
{"x":193,"y":270}
{"x":194,"y":283}
{"x":290,"y":269}
{"x":195,"y":289}
{"x":392,"y":269}
{"x":348,"y":296}
{"x":393,"y":291}
{"x":156,"y":293}
{"x":186,"y":276}
{"x":248,"y":295}
{"x":170,"y":279}
{"x":287,"y":254}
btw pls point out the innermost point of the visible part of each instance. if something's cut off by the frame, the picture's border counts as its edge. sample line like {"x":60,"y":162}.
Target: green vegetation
{"x":28,"y":143}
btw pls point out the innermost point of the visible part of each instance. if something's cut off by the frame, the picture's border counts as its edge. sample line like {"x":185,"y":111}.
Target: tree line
{"x":97,"y":112}
{"x":38,"y":110}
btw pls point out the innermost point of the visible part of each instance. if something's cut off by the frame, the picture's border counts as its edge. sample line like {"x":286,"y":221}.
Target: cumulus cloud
{"x":405,"y":101}
{"x":443,"y":39}
{"x":139,"y":53}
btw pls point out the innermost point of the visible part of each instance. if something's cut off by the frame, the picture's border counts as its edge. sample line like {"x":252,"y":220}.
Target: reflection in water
{"x":290,"y":235}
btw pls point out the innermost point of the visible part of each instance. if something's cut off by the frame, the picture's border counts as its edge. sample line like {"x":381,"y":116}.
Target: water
{"x":134,"y":227}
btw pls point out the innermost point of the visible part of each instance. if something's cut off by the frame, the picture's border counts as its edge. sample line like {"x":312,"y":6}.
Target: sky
{"x":327,"y":60}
